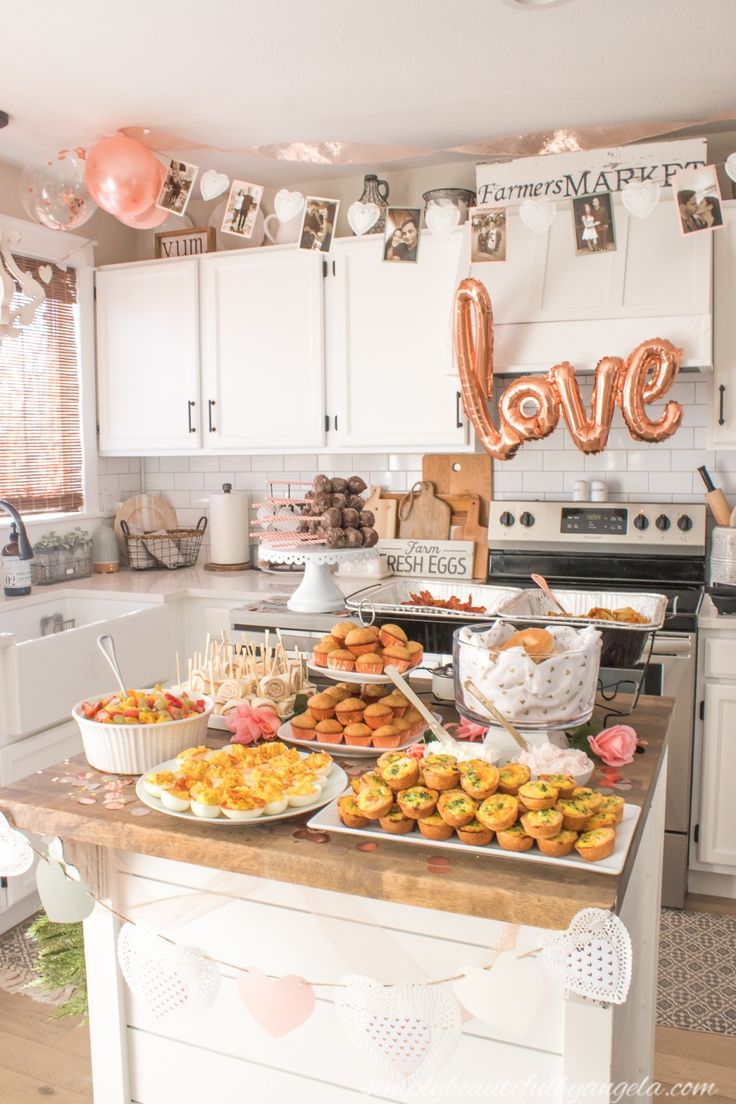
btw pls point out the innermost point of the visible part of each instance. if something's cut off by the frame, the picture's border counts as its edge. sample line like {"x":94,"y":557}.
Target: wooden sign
{"x":433,"y":559}
{"x":185,"y":243}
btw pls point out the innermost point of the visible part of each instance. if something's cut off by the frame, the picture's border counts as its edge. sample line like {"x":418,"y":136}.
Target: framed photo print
{"x":401,"y":236}
{"x":595,"y":230}
{"x":241,"y":208}
{"x":177,"y":187}
{"x":487,"y":234}
{"x":185,"y":243}
{"x":698,"y":199}
{"x":318,"y":223}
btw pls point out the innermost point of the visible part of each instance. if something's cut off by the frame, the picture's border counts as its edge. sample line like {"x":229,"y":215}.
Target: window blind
{"x":41,"y":454}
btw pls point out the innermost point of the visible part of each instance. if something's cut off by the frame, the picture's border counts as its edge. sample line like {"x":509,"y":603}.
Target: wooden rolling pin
{"x":716,"y":499}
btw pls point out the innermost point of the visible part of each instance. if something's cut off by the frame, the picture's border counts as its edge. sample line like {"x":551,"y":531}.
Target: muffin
{"x":558,"y":846}
{"x":457,"y":809}
{"x":511,"y":776}
{"x":374,"y":691}
{"x":401,"y":773}
{"x":321,"y":706}
{"x":418,"y":801}
{"x":302,"y":727}
{"x":478,"y":778}
{"x":538,"y":795}
{"x":475,"y":834}
{"x":328,"y":732}
{"x":440,"y":772}
{"x":349,"y":812}
{"x":396,"y":822}
{"x":415,"y":720}
{"x":391,"y":634}
{"x":341,"y":630}
{"x":386,"y":736}
{"x":399,"y":704}
{"x":369,"y":663}
{"x":360,"y":641}
{"x":402,"y":727}
{"x":596,"y":845}
{"x":542,"y":823}
{"x":359,"y":735}
{"x":435,"y":828}
{"x":416,"y":652}
{"x":563,"y":783}
{"x":377,"y":714}
{"x":340,"y":691}
{"x":514,"y":838}
{"x":322,"y":650}
{"x":397,"y":655}
{"x":498,"y":812}
{"x":341,"y":660}
{"x":350,"y":711}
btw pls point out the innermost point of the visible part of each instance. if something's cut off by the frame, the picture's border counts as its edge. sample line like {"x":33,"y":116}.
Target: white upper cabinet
{"x":148,"y":358}
{"x":724,"y":339}
{"x":391,"y":377}
{"x":262,"y":350}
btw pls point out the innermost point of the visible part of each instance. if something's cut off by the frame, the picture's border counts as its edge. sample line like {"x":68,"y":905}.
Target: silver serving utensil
{"x":106,"y":644}
{"x":545,"y":588}
{"x":504,"y":721}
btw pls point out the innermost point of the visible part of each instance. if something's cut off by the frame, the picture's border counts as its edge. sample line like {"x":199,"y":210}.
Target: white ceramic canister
{"x":229,"y":536}
{"x":722,"y":565}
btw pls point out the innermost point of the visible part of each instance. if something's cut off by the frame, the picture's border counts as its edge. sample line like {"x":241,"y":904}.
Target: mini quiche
{"x":396,"y":822}
{"x":596,"y":845}
{"x":601,"y":819}
{"x":400,"y":773}
{"x":574,"y":814}
{"x":615,"y":804}
{"x":475,"y":834}
{"x":435,"y":828}
{"x":375,"y":801}
{"x":478,"y":778}
{"x":590,"y":798}
{"x":498,"y":812}
{"x":388,"y":757}
{"x":514,"y":838}
{"x":512,"y":776}
{"x":563,"y":783}
{"x":537,"y":795}
{"x":558,"y":846}
{"x":440,"y":772}
{"x":349,"y":813}
{"x":371,"y":778}
{"x":418,"y":801}
{"x":542,"y":823}
{"x":456,"y":807}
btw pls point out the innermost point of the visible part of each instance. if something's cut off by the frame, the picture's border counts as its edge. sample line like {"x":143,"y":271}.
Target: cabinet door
{"x":148,"y":358}
{"x":263,"y":350}
{"x":724,"y":323}
{"x":717,"y":806}
{"x":392,"y":383}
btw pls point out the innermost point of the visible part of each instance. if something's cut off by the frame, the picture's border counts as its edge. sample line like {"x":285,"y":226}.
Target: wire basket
{"x":166,"y":548}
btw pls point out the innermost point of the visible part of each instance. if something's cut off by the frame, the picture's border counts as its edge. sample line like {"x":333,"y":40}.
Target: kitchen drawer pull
{"x":210,"y":404}
{"x":190,"y":406}
{"x":458,"y":417}
{"x":722,"y":392}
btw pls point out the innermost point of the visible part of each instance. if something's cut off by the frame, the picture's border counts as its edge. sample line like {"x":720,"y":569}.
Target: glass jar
{"x":376,"y":191}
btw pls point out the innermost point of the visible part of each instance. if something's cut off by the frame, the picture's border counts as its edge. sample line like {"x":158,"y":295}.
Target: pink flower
{"x":615,"y":746}
{"x":416,"y":751}
{"x":249,"y":724}
{"x":466,"y":730}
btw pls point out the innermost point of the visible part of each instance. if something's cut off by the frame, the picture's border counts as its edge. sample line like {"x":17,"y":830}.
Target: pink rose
{"x":249,"y":724}
{"x":615,"y":745}
{"x":466,"y":730}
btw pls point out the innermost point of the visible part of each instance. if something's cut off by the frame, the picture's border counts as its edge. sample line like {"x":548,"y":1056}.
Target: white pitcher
{"x":284,"y":232}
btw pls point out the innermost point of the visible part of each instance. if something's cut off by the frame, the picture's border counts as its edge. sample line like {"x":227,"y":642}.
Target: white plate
{"x":143,"y":513}
{"x":348,"y":750}
{"x":337,"y":783}
{"x":352,"y":676}
{"x":328,"y":820}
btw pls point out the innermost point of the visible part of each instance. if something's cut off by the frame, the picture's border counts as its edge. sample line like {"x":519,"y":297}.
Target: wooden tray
{"x":465,"y":524}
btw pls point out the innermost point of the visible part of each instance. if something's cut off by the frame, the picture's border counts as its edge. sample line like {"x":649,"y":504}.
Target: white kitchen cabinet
{"x":262,"y":350}
{"x":717,"y":843}
{"x":392,"y":383}
{"x":724,"y":332}
{"x":148,"y":358}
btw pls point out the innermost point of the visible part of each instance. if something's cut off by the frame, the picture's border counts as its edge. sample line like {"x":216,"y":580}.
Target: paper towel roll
{"x":229,"y":537}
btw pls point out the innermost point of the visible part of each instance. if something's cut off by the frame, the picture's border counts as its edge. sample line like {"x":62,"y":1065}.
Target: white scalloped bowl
{"x":137,"y":748}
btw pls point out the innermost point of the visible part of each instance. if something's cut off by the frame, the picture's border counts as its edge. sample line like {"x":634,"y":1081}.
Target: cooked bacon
{"x":425,"y":598}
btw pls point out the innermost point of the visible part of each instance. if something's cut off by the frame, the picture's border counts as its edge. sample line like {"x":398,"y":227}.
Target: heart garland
{"x":593,"y":957}
{"x":66,"y":900}
{"x":409,"y":1031}
{"x":640,"y":199}
{"x":362,"y":216}
{"x":538,"y":214}
{"x":730,"y":166}
{"x":45,"y":272}
{"x":507,"y":996}
{"x":174,"y":983}
{"x":441,"y":220}
{"x":213,"y":184}
{"x":279,"y":1005}
{"x":287,"y":205}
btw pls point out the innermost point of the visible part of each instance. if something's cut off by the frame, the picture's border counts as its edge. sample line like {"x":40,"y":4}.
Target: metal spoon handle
{"x":512,"y":731}
{"x":437,"y":730}
{"x":545,"y":588}
{"x":106,"y":644}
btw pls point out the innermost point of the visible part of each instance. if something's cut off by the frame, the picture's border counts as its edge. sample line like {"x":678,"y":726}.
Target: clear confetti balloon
{"x":53,"y":191}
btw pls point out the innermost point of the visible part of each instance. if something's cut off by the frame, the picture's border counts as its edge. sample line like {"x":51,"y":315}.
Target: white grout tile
{"x":404,"y":461}
{"x":267,"y":463}
{"x":649,"y":458}
{"x":204,"y":463}
{"x":297,"y":462}
{"x":543,"y":481}
{"x":213,"y":480}
{"x":189,"y":481}
{"x":632,"y":483}
{"x":564,"y":460}
{"x":250,"y":481}
{"x":152,"y":464}
{"x":608,"y":460}
{"x":505,"y":481}
{"x":159,"y":481}
{"x":174,"y":464}
{"x":235,"y":463}
{"x":690,"y":459}
{"x":676,"y":483}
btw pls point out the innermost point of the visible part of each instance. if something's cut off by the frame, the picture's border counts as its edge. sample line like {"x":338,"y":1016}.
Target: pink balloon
{"x":154,"y":216}
{"x":122,"y":176}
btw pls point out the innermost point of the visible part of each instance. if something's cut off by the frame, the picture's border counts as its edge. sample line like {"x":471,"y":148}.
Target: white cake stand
{"x":317,"y":592}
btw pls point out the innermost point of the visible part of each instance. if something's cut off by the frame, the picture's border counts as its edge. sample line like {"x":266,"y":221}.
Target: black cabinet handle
{"x":458,"y":417}
{"x":721,"y":419}
{"x":327,"y":423}
{"x":190,"y":406}
{"x":336,"y":421}
{"x":210,"y":404}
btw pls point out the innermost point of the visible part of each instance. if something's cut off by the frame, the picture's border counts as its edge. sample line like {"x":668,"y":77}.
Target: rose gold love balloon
{"x":650,"y":371}
{"x":122,"y":176}
{"x":474,"y":358}
{"x":539,"y":391}
{"x":154,"y":216}
{"x":590,"y":434}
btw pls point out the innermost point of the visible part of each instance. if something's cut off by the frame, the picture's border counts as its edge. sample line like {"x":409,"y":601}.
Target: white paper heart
{"x":730,"y":166}
{"x":287,"y":205}
{"x":45,"y":272}
{"x":362,"y":216}
{"x":409,"y":1031}
{"x":175,"y":983}
{"x":213,"y":184}
{"x":65,"y":900}
{"x":441,"y":219}
{"x":641,"y":198}
{"x":16,"y":855}
{"x":538,"y":214}
{"x":507,"y":997}
{"x":593,"y":957}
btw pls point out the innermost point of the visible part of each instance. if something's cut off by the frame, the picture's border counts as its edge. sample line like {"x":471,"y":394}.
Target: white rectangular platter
{"x":328,"y":820}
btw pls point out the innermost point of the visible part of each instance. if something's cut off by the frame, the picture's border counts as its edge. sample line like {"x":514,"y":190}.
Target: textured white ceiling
{"x":408,"y":72}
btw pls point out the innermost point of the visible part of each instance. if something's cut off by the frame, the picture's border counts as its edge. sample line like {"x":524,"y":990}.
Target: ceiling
{"x":418,"y":73}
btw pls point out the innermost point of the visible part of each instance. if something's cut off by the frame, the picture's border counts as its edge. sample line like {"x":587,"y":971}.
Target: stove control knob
{"x":641,"y":521}
{"x":506,"y":518}
{"x":684,"y":522}
{"x":663,"y":522}
{"x":527,"y":519}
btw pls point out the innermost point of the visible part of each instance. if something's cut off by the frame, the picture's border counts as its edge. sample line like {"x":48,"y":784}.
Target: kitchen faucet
{"x":25,"y":551}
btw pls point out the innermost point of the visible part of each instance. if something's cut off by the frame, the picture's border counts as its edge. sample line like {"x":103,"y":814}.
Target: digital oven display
{"x":583,"y":521}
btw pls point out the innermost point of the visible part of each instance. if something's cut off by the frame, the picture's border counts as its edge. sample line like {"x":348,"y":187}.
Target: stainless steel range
{"x":625,"y":547}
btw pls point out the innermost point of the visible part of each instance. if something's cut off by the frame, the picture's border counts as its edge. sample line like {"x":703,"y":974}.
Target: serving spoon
{"x":106,"y":644}
{"x":545,"y":588}
{"x":504,"y":721}
{"x":435,"y":727}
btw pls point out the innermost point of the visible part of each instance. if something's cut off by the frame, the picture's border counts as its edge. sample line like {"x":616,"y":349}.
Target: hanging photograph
{"x":177,"y":187}
{"x":318,"y":223}
{"x":594,"y":225}
{"x":487,"y":234}
{"x":698,"y":199}
{"x":241,"y":208}
{"x":401,"y":236}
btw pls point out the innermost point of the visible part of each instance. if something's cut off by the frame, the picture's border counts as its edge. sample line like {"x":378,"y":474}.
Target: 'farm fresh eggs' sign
{"x":436,"y":559}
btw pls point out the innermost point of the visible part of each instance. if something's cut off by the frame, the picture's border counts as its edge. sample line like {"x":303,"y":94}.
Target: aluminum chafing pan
{"x":388,"y":599}
{"x":622,"y":644}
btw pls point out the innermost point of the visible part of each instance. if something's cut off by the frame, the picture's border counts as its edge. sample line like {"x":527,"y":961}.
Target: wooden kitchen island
{"x":282,"y":901}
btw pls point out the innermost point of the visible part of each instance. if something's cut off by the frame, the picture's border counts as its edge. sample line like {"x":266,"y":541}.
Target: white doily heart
{"x":66,"y":900}
{"x":213,"y":184}
{"x":45,"y":272}
{"x":730,"y":166}
{"x":593,"y":957}
{"x":16,"y":855}
{"x":641,"y":198}
{"x":174,"y":983}
{"x":287,"y":205}
{"x":442,"y":220}
{"x":409,"y":1031}
{"x":508,"y":996}
{"x":538,"y":214}
{"x":362,"y":216}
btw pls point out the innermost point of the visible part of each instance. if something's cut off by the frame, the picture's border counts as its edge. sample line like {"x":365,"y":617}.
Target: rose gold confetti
{"x":301,"y":834}
{"x":114,"y":805}
{"x":367,"y":847}
{"x":622,"y":786}
{"x":87,"y":800}
{"x":85,"y":775}
{"x":140,"y":810}
{"x":437,"y":869}
{"x":319,"y":837}
{"x":439,"y":860}
{"x":67,"y":781}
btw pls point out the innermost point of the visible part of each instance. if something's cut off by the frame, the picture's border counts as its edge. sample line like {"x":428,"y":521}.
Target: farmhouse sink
{"x":49,"y":660}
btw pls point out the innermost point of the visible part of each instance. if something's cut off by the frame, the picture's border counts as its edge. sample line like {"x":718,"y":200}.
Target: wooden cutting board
{"x":461,"y":474}
{"x":464,"y":525}
{"x":384,"y":510}
{"x":423,"y":516}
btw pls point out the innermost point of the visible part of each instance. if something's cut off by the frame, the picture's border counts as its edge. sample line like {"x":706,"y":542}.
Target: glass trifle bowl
{"x":539,"y":683}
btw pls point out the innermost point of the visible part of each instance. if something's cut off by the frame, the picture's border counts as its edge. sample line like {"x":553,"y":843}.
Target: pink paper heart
{"x":279,"y":1005}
